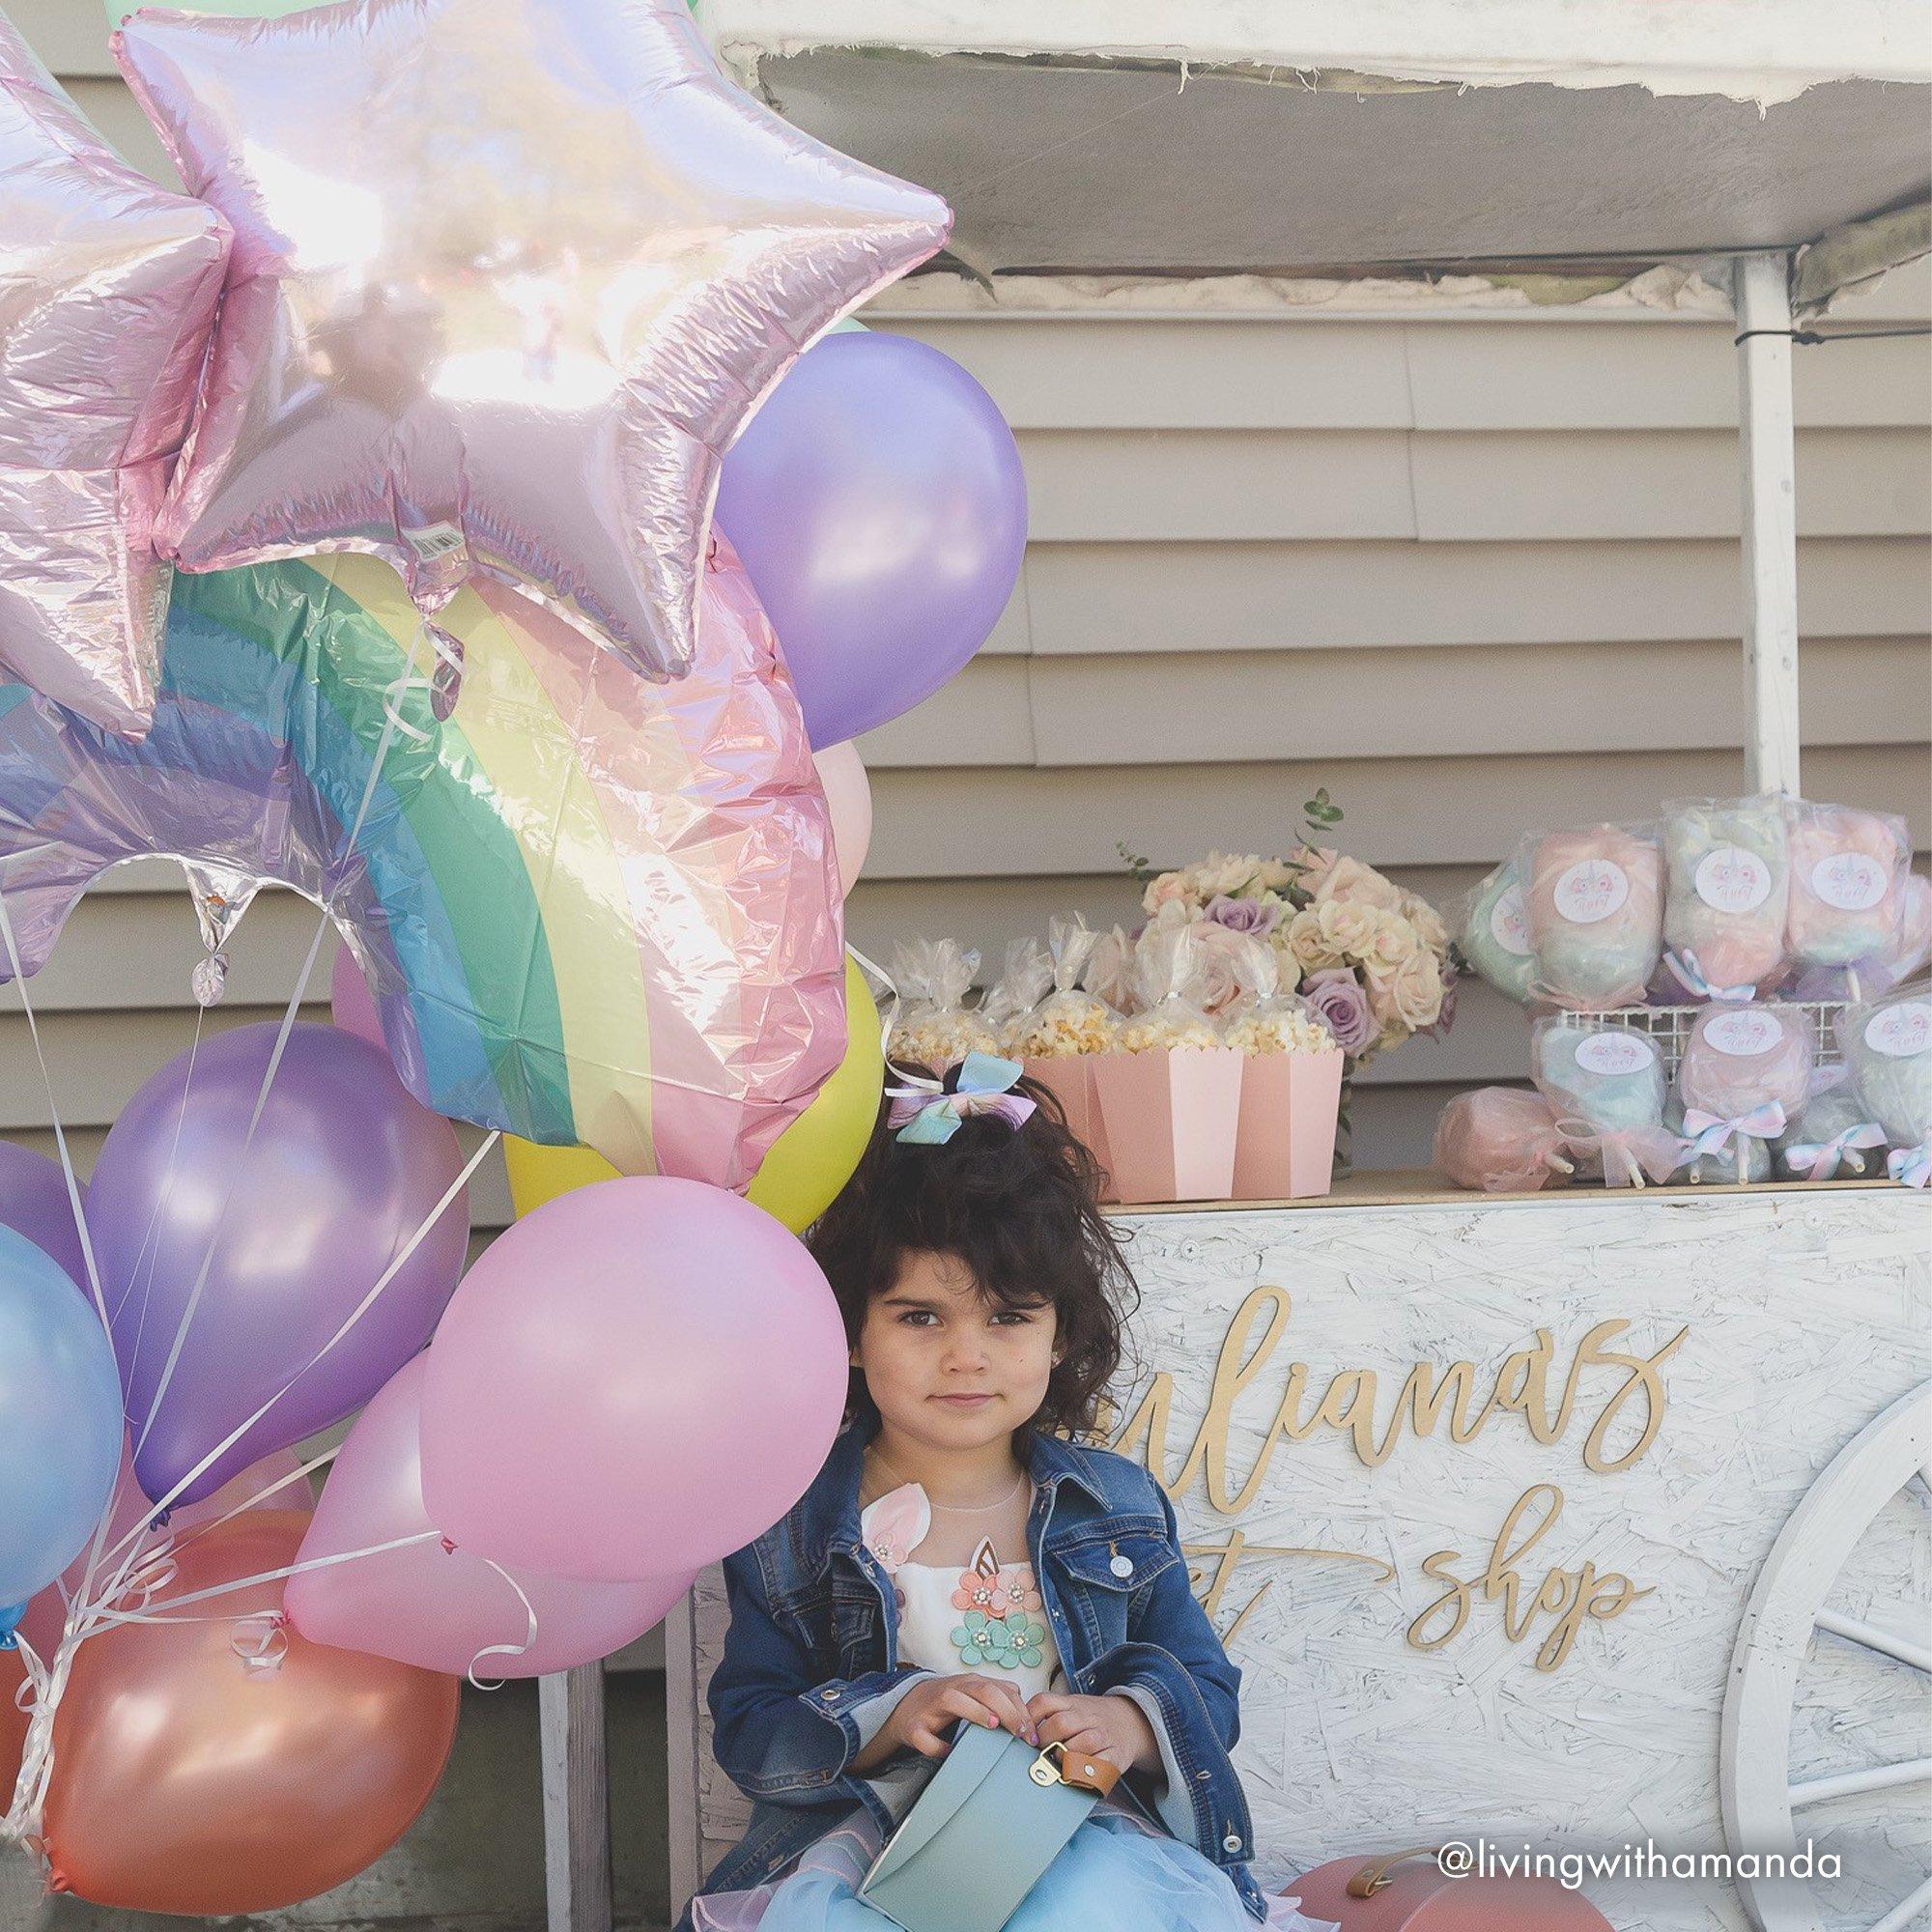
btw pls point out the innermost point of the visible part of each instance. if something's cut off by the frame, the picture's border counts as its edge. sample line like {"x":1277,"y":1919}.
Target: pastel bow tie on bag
{"x":1630,"y":1155}
{"x":1711,"y":1133}
{"x":924,"y":1117}
{"x":1685,"y":969}
{"x":1820,"y":1160}
{"x":1910,"y":1166}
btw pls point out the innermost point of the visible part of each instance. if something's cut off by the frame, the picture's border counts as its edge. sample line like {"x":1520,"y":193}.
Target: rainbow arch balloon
{"x":591,"y":909}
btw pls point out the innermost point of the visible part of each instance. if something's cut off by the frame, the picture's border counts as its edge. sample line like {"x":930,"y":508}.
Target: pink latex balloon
{"x":640,"y":1377}
{"x":349,"y":1006}
{"x":848,"y":797}
{"x":248,"y":1489}
{"x":509,"y":276}
{"x":441,"y":1607}
{"x":105,"y":303}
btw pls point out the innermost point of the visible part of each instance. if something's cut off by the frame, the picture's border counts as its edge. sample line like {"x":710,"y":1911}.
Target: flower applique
{"x":1007,"y":1643}
{"x":996,"y":1627}
{"x":894,"y":1525}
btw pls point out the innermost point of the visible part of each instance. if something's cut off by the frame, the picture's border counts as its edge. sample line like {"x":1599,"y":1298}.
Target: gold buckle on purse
{"x":1084,"y":1773}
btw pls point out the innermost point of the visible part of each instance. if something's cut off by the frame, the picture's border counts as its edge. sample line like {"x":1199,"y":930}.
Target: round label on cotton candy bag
{"x":1613,"y":1053}
{"x":1850,"y":881}
{"x":1730,"y":879}
{"x":1509,"y":924}
{"x":1902,"y":1032}
{"x":1590,"y":890}
{"x":1745,"y":1034}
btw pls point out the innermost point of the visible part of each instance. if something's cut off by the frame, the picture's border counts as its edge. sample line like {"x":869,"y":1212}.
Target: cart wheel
{"x":1785,"y":1611}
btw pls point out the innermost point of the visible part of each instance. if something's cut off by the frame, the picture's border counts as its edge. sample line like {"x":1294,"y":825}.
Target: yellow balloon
{"x":809,"y":1164}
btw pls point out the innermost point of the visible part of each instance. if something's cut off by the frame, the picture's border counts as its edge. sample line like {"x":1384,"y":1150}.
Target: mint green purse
{"x":994,"y":1817}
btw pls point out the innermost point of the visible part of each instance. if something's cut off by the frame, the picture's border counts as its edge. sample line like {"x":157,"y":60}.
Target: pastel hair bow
{"x":1820,"y":1160}
{"x":1910,"y":1166}
{"x":1685,"y":967}
{"x":1711,"y":1133}
{"x":925,"y":1118}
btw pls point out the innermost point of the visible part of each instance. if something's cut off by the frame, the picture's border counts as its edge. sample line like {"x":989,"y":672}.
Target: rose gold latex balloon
{"x":107,"y":296}
{"x":509,"y":276}
{"x":187,"y":1779}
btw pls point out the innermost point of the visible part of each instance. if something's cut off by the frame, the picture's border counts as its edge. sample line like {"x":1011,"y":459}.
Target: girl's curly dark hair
{"x":1020,"y":1207}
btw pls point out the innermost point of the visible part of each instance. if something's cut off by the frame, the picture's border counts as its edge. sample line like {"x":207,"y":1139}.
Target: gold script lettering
{"x":1568,"y":1595}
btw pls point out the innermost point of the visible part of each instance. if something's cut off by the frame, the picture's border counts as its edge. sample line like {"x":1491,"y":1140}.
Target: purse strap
{"x":1374,"y":1875}
{"x":1053,"y":1766}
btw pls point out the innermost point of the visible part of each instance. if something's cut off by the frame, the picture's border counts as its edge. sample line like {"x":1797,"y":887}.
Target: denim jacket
{"x":810,"y":1669}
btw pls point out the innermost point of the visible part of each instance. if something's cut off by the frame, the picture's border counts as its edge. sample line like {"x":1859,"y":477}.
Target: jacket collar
{"x":832,"y":1499}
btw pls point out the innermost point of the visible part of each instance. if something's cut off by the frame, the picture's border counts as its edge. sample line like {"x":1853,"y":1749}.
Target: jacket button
{"x":1231,"y":1843}
{"x":1121,"y":1566}
{"x":830,"y":1696}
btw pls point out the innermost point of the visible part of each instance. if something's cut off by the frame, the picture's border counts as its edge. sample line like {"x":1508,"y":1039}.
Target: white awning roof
{"x":1192,"y":137}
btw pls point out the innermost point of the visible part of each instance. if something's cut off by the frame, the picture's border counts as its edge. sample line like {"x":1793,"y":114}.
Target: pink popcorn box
{"x":1069,"y":1078}
{"x":1171,"y":1119}
{"x":1285,"y":1143}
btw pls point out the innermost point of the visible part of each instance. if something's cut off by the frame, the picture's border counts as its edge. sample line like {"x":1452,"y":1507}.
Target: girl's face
{"x":945,"y":1366}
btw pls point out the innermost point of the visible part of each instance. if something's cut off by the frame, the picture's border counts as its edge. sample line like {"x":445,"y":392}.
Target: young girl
{"x":958,"y":1560}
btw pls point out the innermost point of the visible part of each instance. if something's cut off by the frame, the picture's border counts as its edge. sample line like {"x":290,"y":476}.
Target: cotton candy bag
{"x":1745,"y":1073}
{"x":1606,"y":1086}
{"x":1727,"y":888}
{"x":1595,"y":903}
{"x":1833,"y":1137}
{"x":1888,"y":1045}
{"x":1848,"y":873}
{"x":1501,"y":1140}
{"x":934,"y":1026}
{"x":1493,"y":934}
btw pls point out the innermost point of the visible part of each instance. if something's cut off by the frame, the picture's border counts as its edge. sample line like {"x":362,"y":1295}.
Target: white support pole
{"x":576,"y":1800}
{"x":1768,"y":506}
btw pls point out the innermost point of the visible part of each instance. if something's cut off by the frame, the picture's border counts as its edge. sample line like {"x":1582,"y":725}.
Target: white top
{"x":983,"y":1617}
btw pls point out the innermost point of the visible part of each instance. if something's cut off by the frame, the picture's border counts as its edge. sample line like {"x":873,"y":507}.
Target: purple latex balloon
{"x":34,"y":1202}
{"x":343,"y":1168}
{"x":878,"y":504}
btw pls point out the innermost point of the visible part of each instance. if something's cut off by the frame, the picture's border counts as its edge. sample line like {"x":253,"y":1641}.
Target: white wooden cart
{"x":1773,"y":147}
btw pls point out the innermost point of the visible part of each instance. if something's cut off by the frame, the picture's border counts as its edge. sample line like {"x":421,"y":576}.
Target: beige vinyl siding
{"x":1474,"y":575}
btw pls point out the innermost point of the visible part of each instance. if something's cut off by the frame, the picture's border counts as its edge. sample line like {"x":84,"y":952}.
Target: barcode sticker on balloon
{"x":433,"y":541}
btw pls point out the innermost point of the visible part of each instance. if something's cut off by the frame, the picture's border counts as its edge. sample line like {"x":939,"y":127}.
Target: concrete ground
{"x":474,"y":1860}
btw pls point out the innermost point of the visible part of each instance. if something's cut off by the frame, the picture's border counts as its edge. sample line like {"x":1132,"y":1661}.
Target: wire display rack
{"x":1668,"y":1028}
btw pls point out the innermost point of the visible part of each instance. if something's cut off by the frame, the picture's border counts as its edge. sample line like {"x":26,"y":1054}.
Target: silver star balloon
{"x":107,"y":291}
{"x":508,"y":277}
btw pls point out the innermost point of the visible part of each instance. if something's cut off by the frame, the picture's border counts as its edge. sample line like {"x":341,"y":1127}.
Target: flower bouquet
{"x":1370,"y":959}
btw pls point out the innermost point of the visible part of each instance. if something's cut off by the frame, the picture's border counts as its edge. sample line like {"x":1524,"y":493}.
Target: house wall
{"x":1475,"y":574}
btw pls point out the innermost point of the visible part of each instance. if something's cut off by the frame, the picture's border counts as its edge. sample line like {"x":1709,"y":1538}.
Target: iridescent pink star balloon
{"x":508,"y":277}
{"x":108,"y":292}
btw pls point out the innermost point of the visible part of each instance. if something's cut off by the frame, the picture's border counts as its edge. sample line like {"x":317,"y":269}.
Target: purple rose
{"x":1446,"y":1018}
{"x":1341,"y":1006}
{"x":1250,"y":916}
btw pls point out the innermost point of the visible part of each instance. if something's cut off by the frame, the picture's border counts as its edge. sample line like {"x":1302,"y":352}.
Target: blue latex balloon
{"x":60,"y":1419}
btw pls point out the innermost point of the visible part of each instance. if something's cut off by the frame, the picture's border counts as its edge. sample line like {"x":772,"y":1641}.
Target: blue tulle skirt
{"x":1113,"y":1875}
